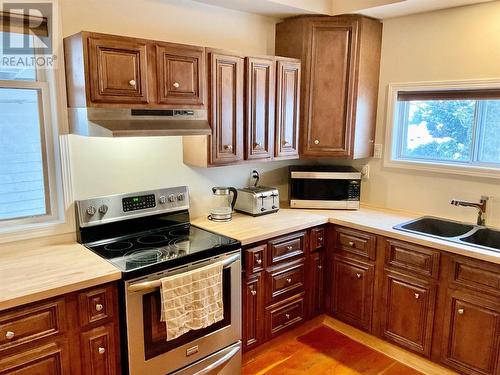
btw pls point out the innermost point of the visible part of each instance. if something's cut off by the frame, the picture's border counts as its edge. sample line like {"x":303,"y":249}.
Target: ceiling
{"x":375,"y":8}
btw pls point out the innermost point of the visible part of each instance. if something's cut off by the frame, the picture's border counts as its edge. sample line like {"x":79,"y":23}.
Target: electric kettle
{"x":222,"y":203}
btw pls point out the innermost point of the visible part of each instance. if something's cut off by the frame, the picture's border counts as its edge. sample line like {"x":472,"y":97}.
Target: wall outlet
{"x":365,"y":172}
{"x":377,"y":150}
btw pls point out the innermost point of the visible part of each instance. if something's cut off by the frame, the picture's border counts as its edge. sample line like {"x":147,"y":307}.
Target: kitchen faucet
{"x":481,"y":208}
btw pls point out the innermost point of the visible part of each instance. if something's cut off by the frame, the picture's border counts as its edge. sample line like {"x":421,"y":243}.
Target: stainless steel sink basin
{"x":437,"y":227}
{"x":484,"y":237}
{"x":454,"y":231}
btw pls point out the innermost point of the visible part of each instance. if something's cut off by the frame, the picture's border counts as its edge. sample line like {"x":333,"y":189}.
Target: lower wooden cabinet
{"x":253,"y":303}
{"x":316,"y":283}
{"x":72,"y":334}
{"x":352,"y":284}
{"x":408,"y":311}
{"x":471,"y":339}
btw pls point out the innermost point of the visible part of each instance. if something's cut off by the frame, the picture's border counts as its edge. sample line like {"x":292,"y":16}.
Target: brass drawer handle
{"x":288,"y":280}
{"x":290,"y":247}
{"x":9,"y":335}
{"x":287,"y":316}
{"x":417,"y":296}
{"x":132,"y":82}
{"x":99,"y":307}
{"x":316,"y":141}
{"x":351,"y":243}
{"x":228,"y":147}
{"x":358,"y":275}
{"x":101,"y":350}
{"x":176,"y":85}
{"x":320,"y":239}
{"x":253,"y":292}
{"x":258,"y":261}
{"x":461,"y":311}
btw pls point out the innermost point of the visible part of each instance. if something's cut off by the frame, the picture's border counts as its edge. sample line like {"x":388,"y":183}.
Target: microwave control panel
{"x":354,"y":190}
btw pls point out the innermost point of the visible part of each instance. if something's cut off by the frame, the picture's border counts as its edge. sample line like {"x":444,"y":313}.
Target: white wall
{"x":455,"y":44}
{"x":110,"y":166}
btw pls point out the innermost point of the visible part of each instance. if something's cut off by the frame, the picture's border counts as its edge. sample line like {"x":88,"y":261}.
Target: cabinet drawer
{"x":32,"y":323}
{"x":284,"y":280}
{"x":95,"y":305}
{"x":286,"y":247}
{"x":284,"y":315}
{"x":413,"y":258}
{"x":317,"y":238}
{"x":355,"y":242}
{"x":255,"y":259}
{"x":476,"y":275}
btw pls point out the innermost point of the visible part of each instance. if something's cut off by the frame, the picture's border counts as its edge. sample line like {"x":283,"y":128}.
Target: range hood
{"x":100,"y":122}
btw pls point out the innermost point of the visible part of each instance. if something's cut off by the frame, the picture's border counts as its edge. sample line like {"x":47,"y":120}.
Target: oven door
{"x":150,"y":353}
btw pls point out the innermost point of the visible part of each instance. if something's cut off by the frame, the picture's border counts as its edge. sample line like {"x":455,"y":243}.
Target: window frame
{"x":61,"y":219}
{"x":393,"y":136}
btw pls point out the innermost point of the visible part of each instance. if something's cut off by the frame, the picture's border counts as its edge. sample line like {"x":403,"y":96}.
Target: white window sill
{"x":35,"y":230}
{"x":444,"y":168}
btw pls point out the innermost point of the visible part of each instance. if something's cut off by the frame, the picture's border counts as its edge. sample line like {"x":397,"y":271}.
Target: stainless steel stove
{"x":147,"y":236}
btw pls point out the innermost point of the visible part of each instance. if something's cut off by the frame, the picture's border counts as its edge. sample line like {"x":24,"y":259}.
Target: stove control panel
{"x":112,"y":208}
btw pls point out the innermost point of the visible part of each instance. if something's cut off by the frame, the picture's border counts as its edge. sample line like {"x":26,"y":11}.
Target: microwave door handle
{"x":220,"y":362}
{"x":226,"y":263}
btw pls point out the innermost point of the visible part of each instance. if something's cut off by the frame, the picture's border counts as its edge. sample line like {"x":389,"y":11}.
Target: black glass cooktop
{"x":162,"y":248}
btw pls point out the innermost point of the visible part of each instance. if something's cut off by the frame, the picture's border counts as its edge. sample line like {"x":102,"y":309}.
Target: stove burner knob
{"x":162,"y":199}
{"x":103,"y":209}
{"x":91,"y":210}
{"x":171,"y":198}
{"x":180,"y":197}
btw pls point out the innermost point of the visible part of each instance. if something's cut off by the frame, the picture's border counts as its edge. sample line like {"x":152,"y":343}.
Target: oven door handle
{"x":226,"y":263}
{"x":220,"y":362}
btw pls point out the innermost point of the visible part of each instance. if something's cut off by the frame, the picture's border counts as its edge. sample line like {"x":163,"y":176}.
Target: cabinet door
{"x":49,"y":359}
{"x":471,"y":337}
{"x":259,"y":119}
{"x":118,"y":71}
{"x":99,"y":352}
{"x":226,"y":108}
{"x":287,"y":108}
{"x":316,"y":286}
{"x":328,"y":102}
{"x":408,"y":312}
{"x":353,"y":291}
{"x":253,"y":309}
{"x":180,"y":71}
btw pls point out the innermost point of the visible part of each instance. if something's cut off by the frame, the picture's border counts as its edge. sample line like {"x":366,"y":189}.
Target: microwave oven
{"x":327,"y":187}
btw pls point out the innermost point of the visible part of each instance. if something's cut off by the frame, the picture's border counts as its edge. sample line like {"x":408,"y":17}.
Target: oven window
{"x":155,"y":331}
{"x":319,"y":189}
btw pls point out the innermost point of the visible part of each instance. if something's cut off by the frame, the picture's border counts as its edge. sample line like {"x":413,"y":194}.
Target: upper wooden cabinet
{"x":225,"y":78}
{"x":115,"y":71}
{"x":180,"y":72}
{"x":259,"y":111}
{"x":341,"y":57}
{"x":286,"y":144}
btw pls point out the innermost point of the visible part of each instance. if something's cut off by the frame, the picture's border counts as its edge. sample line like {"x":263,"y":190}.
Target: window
{"x":445,"y":127}
{"x":31,"y":198}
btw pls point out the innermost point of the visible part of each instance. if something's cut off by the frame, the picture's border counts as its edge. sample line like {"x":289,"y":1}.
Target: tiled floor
{"x":321,"y":351}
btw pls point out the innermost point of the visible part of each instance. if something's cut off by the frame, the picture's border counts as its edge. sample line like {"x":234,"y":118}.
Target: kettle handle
{"x":235,"y":195}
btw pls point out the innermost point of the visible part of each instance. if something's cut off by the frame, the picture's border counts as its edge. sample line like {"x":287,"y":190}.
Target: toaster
{"x":257,"y":200}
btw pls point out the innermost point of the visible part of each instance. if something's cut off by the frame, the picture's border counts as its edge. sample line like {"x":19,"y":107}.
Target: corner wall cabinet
{"x":341,"y":57}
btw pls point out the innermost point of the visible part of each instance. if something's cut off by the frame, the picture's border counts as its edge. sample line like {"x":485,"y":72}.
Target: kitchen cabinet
{"x":259,"y":107}
{"x":286,"y":142}
{"x":353,"y":283}
{"x":408,"y":311}
{"x":276,"y":284}
{"x":180,"y":74}
{"x":317,"y":274}
{"x":341,"y":57}
{"x":471,"y":339}
{"x":75,"y":333}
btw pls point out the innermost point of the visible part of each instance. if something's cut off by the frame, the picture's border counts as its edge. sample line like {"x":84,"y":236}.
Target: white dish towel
{"x":192,"y":300}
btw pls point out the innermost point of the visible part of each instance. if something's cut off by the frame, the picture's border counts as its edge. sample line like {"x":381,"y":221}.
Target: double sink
{"x":454,"y":231}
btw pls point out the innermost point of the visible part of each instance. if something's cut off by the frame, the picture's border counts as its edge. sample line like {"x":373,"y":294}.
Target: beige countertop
{"x":248,"y":229}
{"x":29,"y":274}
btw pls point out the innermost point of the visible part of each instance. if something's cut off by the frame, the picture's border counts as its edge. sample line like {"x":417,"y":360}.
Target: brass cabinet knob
{"x":417,"y":296}
{"x":101,"y":350}
{"x":287,"y":316}
{"x":358,"y":275}
{"x":99,"y":307}
{"x":286,"y":142}
{"x":253,"y":292}
{"x":176,"y":85}
{"x":320,"y":267}
{"x":288,"y":280}
{"x":461,"y":311}
{"x":228,"y":147}
{"x":258,"y":261}
{"x":289,"y":248}
{"x":132,"y":82}
{"x":9,"y":335}
{"x":316,"y":141}
{"x":351,"y":243}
